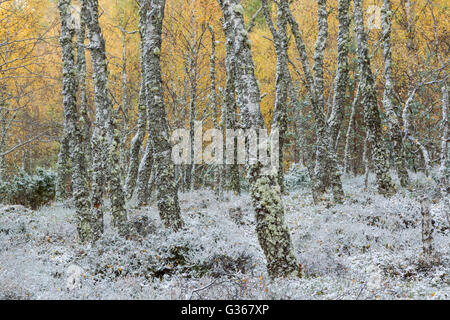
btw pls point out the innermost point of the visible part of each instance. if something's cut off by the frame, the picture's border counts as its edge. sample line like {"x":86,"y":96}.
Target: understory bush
{"x":32,"y":191}
{"x":297,"y":176}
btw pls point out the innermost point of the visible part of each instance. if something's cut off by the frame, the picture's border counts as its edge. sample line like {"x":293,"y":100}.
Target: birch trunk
{"x":350,"y":129}
{"x":273,"y":234}
{"x":144,"y":170}
{"x":326,"y":172}
{"x":339,"y":97}
{"x":428,"y":253}
{"x":443,"y":168}
{"x":63,"y":166}
{"x":166,"y":185}
{"x":388,"y":97}
{"x":124,"y":152}
{"x":85,"y":121}
{"x":136,"y":144}
{"x":229,"y":114}
{"x":407,"y":132}
{"x":106,"y":137}
{"x":280,"y":117}
{"x":371,"y":112}
{"x":214,"y":103}
{"x":79,"y":174}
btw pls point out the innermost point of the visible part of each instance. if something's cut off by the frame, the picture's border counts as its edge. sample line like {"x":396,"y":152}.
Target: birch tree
{"x":214,"y":104}
{"x":280,"y":121}
{"x":326,"y":172}
{"x":166,"y":185}
{"x":138,"y":139}
{"x":444,"y":165}
{"x":340,"y":88}
{"x":85,"y":121}
{"x":371,"y":112}
{"x":145,"y":166}
{"x":79,"y":173}
{"x":63,"y":165}
{"x":273,"y":234}
{"x":136,"y":145}
{"x":350,"y":128}
{"x":395,"y":131}
{"x":229,"y":118}
{"x":106,"y":137}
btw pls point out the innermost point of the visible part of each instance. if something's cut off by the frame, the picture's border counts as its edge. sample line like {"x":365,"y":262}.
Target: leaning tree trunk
{"x":395,"y":130}
{"x":371,"y":112}
{"x":106,"y":137}
{"x":166,"y":185}
{"x":265,"y":192}
{"x":79,"y":174}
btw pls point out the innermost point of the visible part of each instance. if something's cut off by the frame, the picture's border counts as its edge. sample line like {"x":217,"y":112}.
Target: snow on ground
{"x":366,"y":248}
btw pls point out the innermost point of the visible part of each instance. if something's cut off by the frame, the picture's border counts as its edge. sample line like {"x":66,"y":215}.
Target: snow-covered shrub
{"x":297,"y":176}
{"x":31,"y":191}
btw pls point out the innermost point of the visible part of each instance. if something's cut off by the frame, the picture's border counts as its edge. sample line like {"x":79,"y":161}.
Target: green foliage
{"x":250,"y":8}
{"x":31,"y":191}
{"x":297,"y":176}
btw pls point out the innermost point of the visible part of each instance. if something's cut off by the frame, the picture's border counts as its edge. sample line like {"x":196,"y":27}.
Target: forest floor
{"x":367,"y":248}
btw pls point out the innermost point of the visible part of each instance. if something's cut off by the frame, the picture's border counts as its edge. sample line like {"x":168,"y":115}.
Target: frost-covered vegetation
{"x":31,"y":191}
{"x":369,"y":247}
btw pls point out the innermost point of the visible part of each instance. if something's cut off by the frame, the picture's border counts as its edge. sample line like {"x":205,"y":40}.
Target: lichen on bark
{"x":265,"y":192}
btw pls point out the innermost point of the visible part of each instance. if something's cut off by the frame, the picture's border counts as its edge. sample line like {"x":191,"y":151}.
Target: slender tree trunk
{"x":124,"y":152}
{"x":136,"y":144}
{"x":144,"y":172}
{"x":350,"y":129}
{"x":106,"y":137}
{"x":407,"y":131}
{"x":326,"y":172}
{"x":272,"y":232}
{"x":85,"y":122}
{"x":214,"y":103}
{"x":388,"y":98}
{"x":366,"y":160}
{"x":429,"y":257}
{"x":371,"y":112}
{"x":339,"y":98}
{"x":167,"y":189}
{"x":444,"y":165}
{"x":63,"y":166}
{"x":79,"y":173}
{"x":229,"y":114}
{"x":145,"y":166}
{"x":280,"y":117}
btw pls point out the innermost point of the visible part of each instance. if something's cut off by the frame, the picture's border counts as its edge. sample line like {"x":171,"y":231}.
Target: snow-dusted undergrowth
{"x":366,"y":248}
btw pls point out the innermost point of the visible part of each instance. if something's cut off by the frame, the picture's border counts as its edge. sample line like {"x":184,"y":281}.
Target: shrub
{"x":31,"y":191}
{"x":296,"y":177}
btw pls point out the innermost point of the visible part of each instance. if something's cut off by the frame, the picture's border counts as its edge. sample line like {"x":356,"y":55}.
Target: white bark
{"x":273,"y":234}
